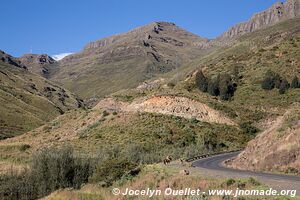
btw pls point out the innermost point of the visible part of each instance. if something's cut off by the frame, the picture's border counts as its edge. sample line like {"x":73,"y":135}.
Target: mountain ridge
{"x":278,"y":12}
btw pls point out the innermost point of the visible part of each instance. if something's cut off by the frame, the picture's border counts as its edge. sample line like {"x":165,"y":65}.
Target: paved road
{"x":278,"y":181}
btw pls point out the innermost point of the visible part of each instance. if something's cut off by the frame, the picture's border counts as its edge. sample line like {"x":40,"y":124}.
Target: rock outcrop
{"x":37,"y":63}
{"x":278,"y":12}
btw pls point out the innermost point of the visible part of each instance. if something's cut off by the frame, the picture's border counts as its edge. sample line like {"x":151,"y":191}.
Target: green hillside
{"x":28,"y":100}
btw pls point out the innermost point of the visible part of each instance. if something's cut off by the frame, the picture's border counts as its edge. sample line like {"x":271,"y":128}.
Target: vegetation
{"x":110,"y":170}
{"x":201,"y":81}
{"x":220,"y":86}
{"x":273,"y":80}
{"x":295,"y":83}
{"x":50,"y":170}
{"x":29,"y":101}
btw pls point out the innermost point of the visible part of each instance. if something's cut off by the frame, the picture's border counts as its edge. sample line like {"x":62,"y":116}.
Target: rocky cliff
{"x":278,"y":12}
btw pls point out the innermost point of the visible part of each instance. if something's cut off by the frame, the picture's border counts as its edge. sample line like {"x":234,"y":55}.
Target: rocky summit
{"x":280,"y":11}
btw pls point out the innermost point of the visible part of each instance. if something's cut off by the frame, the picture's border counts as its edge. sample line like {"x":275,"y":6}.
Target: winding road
{"x":276,"y":181}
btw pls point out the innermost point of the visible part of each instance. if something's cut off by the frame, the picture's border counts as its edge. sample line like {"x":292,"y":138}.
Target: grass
{"x":161,"y":177}
{"x":25,"y":103}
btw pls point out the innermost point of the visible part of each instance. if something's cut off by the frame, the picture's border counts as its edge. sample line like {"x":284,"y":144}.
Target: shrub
{"x":268,"y":82}
{"x":248,"y":128}
{"x":230,"y":182}
{"x":284,"y":85}
{"x":253,"y":181}
{"x":111,"y":170}
{"x":226,"y":87}
{"x":295,"y":83}
{"x":24,"y":147}
{"x":105,"y":113}
{"x":51,"y":169}
{"x":213,"y":86}
{"x":201,"y":81}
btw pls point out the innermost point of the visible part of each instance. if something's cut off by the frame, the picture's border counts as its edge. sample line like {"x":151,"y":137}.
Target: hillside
{"x":275,"y":149}
{"x":125,"y":60}
{"x":28,"y":100}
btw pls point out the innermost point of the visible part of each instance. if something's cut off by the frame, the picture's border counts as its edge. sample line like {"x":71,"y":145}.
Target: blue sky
{"x":59,"y":26}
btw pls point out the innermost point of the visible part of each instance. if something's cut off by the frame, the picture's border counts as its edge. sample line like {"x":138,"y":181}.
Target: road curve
{"x":215,"y":163}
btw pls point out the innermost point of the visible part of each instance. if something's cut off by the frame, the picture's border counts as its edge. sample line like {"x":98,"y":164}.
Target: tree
{"x":226,"y":87}
{"x":213,"y":86}
{"x":295,"y":83}
{"x":284,"y":85}
{"x":201,"y":81}
{"x":271,"y":81}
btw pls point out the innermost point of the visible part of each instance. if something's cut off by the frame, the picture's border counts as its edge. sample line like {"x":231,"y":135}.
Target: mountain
{"x":27,"y":99}
{"x":278,"y":12}
{"x":37,"y":63}
{"x":125,"y":60}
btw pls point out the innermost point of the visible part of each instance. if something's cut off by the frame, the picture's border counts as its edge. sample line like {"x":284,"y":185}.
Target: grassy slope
{"x":25,"y":104}
{"x":148,"y":137}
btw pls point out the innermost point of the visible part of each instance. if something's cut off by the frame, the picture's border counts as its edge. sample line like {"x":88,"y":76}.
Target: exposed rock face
{"x":6,"y":58}
{"x":37,"y":63}
{"x":278,"y":12}
{"x":277,"y":148}
{"x":169,"y":105}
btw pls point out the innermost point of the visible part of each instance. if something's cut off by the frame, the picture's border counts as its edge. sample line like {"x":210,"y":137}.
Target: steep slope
{"x":124,"y":60}
{"x":277,"y":148}
{"x":28,"y":100}
{"x":278,"y":12}
{"x":37,"y":63}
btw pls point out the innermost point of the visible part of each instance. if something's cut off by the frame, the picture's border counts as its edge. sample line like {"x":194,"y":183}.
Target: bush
{"x":111,"y":170}
{"x":295,"y":83}
{"x":105,"y":113}
{"x":284,"y":85}
{"x":272,"y":80}
{"x":213,"y":86}
{"x":51,"y":169}
{"x":24,"y":147}
{"x":253,"y":181}
{"x":230,"y":182}
{"x":248,"y":128}
{"x":226,"y":87}
{"x":201,"y":81}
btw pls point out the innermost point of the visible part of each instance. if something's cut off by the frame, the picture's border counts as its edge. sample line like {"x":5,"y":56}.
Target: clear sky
{"x":59,"y":26}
